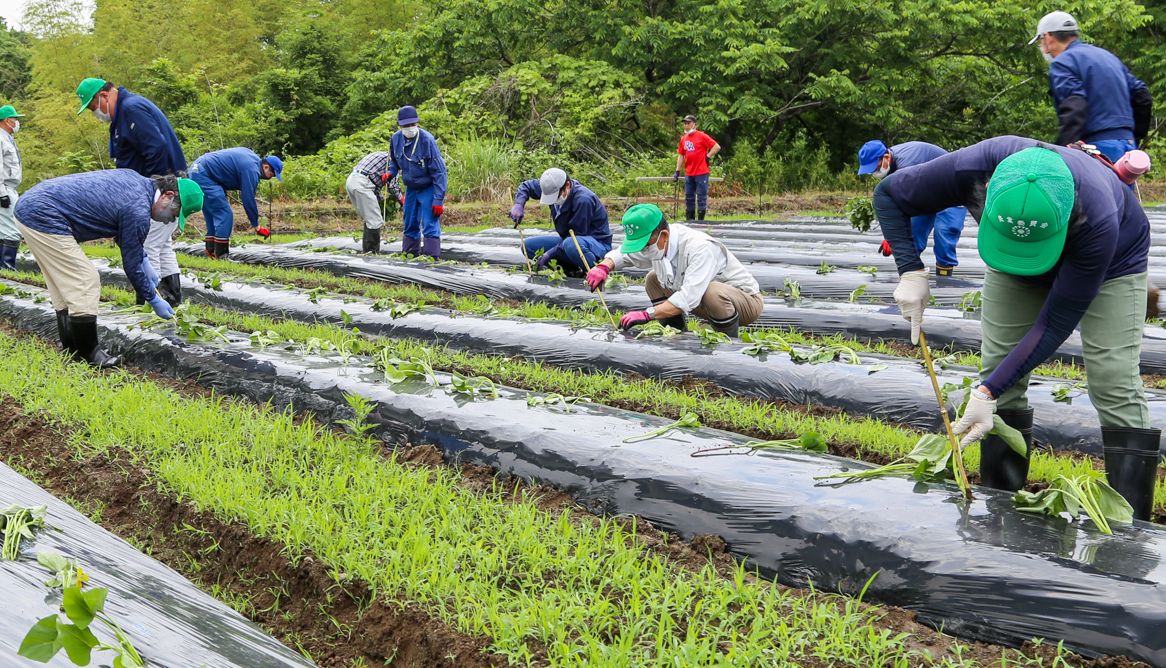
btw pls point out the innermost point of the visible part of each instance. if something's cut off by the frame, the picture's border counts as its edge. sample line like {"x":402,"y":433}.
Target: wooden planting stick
{"x":961,"y":473}
{"x":587,"y":266}
{"x":522,"y":243}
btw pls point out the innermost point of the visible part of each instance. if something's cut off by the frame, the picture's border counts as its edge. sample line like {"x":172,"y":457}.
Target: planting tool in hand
{"x":676,"y":198}
{"x":522,"y":242}
{"x":961,"y":473}
{"x":587,"y":266}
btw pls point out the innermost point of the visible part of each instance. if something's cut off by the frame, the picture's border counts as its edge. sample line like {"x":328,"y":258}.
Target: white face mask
{"x":688,"y":132}
{"x":562,"y":200}
{"x":411,"y":132}
{"x":653,"y":253}
{"x":102,"y":116}
{"x":1048,"y":56}
{"x":882,"y":173}
{"x":15,"y":126}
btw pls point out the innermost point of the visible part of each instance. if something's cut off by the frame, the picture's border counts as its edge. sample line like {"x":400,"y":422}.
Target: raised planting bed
{"x":981,"y":570}
{"x":169,"y":621}
{"x":885,"y":388}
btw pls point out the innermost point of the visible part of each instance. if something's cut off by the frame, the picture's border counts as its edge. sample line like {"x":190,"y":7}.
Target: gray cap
{"x":551,"y":182}
{"x":1055,"y":22}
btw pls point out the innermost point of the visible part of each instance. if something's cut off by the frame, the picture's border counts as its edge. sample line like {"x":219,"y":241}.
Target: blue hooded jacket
{"x":142,"y":139}
{"x":583,"y":212}
{"x":1096,"y":96}
{"x":108,"y":204}
{"x":419,"y":163}
{"x":232,"y":169}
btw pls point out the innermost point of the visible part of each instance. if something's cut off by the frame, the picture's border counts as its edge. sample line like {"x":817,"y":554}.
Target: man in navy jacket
{"x":574,"y":208}
{"x":413,"y":154}
{"x":1066,"y":244}
{"x":142,"y":139}
{"x":239,"y":169}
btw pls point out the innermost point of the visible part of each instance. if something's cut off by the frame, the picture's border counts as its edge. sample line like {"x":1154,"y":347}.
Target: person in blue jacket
{"x":142,"y":139}
{"x":239,"y":169}
{"x":875,"y":158}
{"x":56,"y":215}
{"x":414,"y":156}
{"x":1066,"y":245}
{"x":573,"y":208}
{"x":1098,"y":100}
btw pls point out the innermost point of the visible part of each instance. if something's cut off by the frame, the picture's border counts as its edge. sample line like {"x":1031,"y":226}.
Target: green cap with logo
{"x":9,"y":111}
{"x":639,"y":222}
{"x":1026,"y":212}
{"x":190,"y":196}
{"x":87,"y":89}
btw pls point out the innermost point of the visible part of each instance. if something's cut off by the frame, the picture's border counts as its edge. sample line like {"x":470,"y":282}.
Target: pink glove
{"x":597,"y":276}
{"x":437,"y":210}
{"x":633,"y":319}
{"x":401,"y":199}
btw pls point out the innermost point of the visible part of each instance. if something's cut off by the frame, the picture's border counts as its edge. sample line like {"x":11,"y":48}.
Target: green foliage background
{"x":790,"y":88}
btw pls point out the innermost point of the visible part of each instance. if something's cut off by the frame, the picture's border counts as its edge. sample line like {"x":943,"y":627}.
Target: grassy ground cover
{"x":542,"y":587}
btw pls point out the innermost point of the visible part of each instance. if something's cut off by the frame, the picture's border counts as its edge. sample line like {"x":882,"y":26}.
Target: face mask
{"x":562,"y":200}
{"x":653,"y":253}
{"x":411,"y":132}
{"x":881,"y":174}
{"x":1048,"y":56}
{"x":167,"y":213}
{"x":15,"y":126}
{"x":102,"y":116}
{"x":688,"y":132}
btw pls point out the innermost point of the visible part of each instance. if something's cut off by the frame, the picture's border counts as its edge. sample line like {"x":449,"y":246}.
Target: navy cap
{"x":869,"y":156}
{"x":407,"y":115}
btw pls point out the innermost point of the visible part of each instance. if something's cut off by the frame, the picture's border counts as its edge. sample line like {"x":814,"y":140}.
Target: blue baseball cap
{"x":407,"y":115}
{"x":869,"y":156}
{"x":276,"y":165}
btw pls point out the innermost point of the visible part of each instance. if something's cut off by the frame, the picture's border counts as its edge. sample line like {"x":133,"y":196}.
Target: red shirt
{"x":695,"y":149}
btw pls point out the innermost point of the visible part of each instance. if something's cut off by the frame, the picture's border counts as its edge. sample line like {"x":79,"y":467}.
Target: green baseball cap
{"x":639,"y":222}
{"x":190,"y":196}
{"x":9,"y":111}
{"x":1026,"y":212}
{"x":87,"y":89}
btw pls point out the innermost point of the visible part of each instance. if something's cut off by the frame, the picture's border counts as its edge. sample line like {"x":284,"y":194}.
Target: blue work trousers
{"x":948,"y":225}
{"x":592,"y":249}
{"x":696,"y":189}
{"x":419,"y":218}
{"x":216,"y":210}
{"x":1114,"y":149}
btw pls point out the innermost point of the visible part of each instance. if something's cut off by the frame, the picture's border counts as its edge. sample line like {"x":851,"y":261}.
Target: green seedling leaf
{"x":856,"y":293}
{"x":860,"y":211}
{"x":793,"y":290}
{"x":81,"y":607}
{"x":42,"y":642}
{"x":1070,"y":495}
{"x":824,"y":268}
{"x":1065,"y":393}
{"x":1012,"y":437}
{"x":473,"y":385}
{"x":265,"y":339}
{"x":554,"y":400}
{"x":971,"y":301}
{"x":810,"y":441}
{"x":78,"y":642}
{"x":868,"y":269}
{"x":656,"y":328}
{"x":711,"y":337}
{"x":686,"y":421}
{"x":875,"y":368}
{"x":345,"y":318}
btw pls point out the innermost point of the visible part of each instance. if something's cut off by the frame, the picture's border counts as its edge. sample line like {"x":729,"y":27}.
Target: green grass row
{"x":539,"y":585}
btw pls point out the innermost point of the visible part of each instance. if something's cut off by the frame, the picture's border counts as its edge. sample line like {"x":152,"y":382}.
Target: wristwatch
{"x":651,"y":311}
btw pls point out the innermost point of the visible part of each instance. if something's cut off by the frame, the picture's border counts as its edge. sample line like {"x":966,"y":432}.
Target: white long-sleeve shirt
{"x":691,"y":262}
{"x":11,"y":171}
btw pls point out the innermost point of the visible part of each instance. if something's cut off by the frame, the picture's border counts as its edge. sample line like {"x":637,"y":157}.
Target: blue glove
{"x":161,"y":308}
{"x":151,"y":275}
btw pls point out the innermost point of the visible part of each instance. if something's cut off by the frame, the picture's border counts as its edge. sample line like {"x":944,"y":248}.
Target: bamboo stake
{"x":522,"y":242}
{"x":587,"y":266}
{"x":961,"y":473}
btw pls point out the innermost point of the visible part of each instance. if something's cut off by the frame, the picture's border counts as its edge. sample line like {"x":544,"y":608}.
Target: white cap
{"x":1055,"y":22}
{"x":551,"y":183}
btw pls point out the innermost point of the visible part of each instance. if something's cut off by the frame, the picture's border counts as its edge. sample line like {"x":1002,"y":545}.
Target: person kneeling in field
{"x":56,"y":215}
{"x":1066,"y":243}
{"x":690,"y":273}
{"x":573,"y":208}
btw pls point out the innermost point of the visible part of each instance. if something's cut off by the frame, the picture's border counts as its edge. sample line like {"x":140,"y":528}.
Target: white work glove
{"x":977,"y":418}
{"x":912,"y":295}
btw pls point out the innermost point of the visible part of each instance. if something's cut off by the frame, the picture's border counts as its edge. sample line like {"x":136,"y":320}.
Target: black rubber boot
{"x":700,"y":214}
{"x":63,"y":330}
{"x":83,"y":331}
{"x":676,"y":322}
{"x":170,"y":288}
{"x":1131,"y":465}
{"x":210,"y":247}
{"x":690,"y":214}
{"x":8,"y":251}
{"x":371,"y":243}
{"x":730,"y":326}
{"x":222,"y":248}
{"x":1001,"y":467}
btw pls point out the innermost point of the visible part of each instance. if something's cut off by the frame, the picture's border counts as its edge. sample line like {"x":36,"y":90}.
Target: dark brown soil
{"x":299,"y":603}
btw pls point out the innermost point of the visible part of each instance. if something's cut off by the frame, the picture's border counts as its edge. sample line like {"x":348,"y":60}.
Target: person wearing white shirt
{"x":10,"y":176}
{"x":690,"y":273}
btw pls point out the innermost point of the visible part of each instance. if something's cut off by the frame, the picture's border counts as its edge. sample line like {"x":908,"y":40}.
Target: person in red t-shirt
{"x":695,"y":149}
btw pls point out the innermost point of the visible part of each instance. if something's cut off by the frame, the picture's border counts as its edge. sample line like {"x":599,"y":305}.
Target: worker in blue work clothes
{"x":1098,"y":100}
{"x":875,"y":158}
{"x":56,"y":215}
{"x":574,"y":208}
{"x":11,"y":173}
{"x":413,"y":154}
{"x":239,"y":169}
{"x":1066,"y":244}
{"x":142,"y":139}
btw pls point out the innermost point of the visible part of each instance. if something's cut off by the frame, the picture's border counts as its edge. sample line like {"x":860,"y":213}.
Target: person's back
{"x":230,"y":168}
{"x":1101,"y":78}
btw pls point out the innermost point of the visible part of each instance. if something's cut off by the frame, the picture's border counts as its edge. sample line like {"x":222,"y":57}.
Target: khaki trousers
{"x":718,"y":305}
{"x":70,"y":276}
